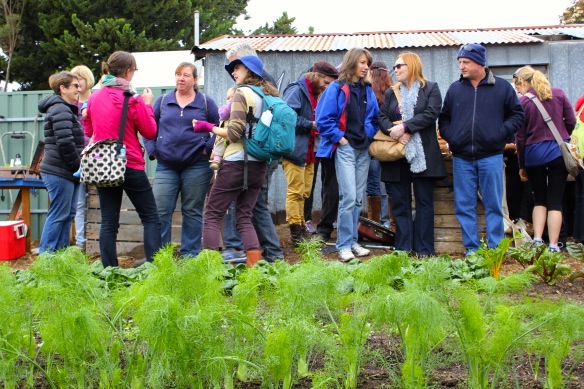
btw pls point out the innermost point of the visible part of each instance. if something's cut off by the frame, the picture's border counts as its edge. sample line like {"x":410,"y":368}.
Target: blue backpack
{"x":275,"y":139}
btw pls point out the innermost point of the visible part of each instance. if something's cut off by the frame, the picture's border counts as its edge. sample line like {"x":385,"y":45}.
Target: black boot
{"x":297,"y":233}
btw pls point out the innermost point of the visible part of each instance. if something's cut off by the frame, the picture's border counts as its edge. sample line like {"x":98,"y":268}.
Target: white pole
{"x":196,"y":28}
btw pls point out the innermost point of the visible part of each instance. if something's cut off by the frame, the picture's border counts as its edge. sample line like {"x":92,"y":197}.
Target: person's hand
{"x":523,"y":175}
{"x":202,"y":126}
{"x":405,"y":138}
{"x":396,"y":131}
{"x":343,"y":141}
{"x":147,"y":96}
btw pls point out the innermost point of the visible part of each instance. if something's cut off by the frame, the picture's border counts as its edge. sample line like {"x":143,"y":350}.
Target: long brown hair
{"x":380,"y":80}
{"x":349,"y":65}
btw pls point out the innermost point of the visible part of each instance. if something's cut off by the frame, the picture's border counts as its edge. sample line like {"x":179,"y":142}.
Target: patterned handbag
{"x":103,"y":163}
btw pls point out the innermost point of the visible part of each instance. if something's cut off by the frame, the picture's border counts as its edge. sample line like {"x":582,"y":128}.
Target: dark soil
{"x":375,"y":373}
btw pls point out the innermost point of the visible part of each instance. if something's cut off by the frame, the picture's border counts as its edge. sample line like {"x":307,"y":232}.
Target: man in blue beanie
{"x":480,"y":112}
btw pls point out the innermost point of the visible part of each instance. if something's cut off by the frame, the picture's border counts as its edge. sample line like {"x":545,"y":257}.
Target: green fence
{"x":21,"y":127}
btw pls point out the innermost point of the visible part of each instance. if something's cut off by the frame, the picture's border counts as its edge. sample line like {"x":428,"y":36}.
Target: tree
{"x":54,"y":38}
{"x":282,"y":25}
{"x":9,"y":31}
{"x":574,"y":14}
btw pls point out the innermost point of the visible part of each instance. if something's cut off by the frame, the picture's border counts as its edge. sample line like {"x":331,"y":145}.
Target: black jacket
{"x":64,"y":138}
{"x":424,"y":121}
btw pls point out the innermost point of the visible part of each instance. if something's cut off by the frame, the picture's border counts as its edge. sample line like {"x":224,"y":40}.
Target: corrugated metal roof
{"x":391,"y":40}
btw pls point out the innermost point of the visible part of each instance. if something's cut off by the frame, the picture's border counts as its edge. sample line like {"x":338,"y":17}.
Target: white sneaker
{"x":359,"y":250}
{"x":345,"y":255}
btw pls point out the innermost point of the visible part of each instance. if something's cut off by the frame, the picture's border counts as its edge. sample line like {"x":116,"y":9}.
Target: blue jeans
{"x":63,"y":194}
{"x":80,"y":216}
{"x":351,"y":166}
{"x":137,"y":187}
{"x":262,"y":222}
{"x":193,"y":183}
{"x":486,"y":175}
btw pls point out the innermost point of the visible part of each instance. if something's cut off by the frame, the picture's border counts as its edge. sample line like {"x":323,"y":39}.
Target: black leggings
{"x":548,"y":182}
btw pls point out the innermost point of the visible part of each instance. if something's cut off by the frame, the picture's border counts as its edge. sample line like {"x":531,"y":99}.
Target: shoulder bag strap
{"x":546,"y":117}
{"x":127,"y":95}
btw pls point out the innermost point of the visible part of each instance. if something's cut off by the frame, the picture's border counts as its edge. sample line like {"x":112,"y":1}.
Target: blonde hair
{"x":534,"y":79}
{"x":414,"y":63}
{"x":85,"y":73}
{"x":61,"y":79}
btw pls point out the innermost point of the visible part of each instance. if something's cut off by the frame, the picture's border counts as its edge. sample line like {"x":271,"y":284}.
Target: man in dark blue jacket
{"x":480,"y":112}
{"x":302,"y":95}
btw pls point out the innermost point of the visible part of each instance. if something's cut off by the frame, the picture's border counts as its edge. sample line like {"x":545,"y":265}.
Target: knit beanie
{"x":474,"y":52}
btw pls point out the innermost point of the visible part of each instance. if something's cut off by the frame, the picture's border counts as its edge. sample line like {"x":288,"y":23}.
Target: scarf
{"x":117,"y":82}
{"x":414,"y":148}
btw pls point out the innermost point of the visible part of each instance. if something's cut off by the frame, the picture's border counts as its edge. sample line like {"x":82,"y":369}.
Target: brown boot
{"x":297,"y":233}
{"x":253,"y":257}
{"x":374,"y":208}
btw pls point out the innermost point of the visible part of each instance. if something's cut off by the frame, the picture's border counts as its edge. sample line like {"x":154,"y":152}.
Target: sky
{"x":327,"y":16}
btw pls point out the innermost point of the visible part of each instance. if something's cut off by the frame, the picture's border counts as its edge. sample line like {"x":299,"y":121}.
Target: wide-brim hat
{"x":253,"y":63}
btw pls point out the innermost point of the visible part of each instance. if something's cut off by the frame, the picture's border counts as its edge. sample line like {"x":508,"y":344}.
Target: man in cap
{"x":480,"y":112}
{"x":302,"y":95}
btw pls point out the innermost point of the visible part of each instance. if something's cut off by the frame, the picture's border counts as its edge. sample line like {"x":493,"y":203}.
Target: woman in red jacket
{"x":104,"y":111}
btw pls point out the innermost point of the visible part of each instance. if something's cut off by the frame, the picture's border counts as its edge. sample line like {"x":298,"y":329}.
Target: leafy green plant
{"x":488,"y":333}
{"x":539,"y":260}
{"x":495,"y":256}
{"x":16,"y":336}
{"x":71,"y":314}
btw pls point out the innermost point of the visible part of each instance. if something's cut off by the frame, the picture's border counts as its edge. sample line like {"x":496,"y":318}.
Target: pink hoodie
{"x":104,"y":111}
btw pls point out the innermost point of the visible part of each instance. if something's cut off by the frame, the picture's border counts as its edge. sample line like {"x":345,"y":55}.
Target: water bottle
{"x":122,"y":154}
{"x":266,"y":117}
{"x":17,"y":161}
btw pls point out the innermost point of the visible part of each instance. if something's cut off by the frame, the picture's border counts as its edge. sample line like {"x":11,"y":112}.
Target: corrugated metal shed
{"x":391,"y":40}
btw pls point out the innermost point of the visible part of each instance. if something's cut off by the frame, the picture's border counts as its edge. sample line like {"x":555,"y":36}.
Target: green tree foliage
{"x":574,"y":14}
{"x":57,"y":34}
{"x":282,"y":25}
{"x":10,"y":22}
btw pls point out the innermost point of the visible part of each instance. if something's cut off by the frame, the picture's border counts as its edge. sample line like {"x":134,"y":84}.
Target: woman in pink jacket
{"x":104,"y":111}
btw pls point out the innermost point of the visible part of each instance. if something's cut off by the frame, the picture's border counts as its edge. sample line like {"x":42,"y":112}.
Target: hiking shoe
{"x":345,"y":255}
{"x":310,"y":227}
{"x":359,"y":250}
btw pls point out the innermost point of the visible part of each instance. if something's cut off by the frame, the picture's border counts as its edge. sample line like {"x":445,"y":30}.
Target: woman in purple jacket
{"x":540,"y":159}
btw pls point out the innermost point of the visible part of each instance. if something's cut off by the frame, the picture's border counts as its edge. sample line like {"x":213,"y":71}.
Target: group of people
{"x":340,"y":109}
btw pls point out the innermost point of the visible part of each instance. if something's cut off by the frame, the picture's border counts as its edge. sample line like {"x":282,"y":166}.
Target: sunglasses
{"x":399,"y":66}
{"x":75,"y":85}
{"x":468,"y":47}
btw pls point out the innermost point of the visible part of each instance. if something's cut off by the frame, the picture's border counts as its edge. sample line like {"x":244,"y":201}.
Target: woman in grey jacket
{"x":64,"y":142}
{"x":413,"y":122}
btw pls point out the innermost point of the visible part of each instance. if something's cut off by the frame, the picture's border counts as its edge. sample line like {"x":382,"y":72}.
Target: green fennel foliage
{"x":72,"y":314}
{"x":16,"y":340}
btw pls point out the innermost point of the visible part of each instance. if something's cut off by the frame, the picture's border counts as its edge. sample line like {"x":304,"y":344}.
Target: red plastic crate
{"x":12,"y":239}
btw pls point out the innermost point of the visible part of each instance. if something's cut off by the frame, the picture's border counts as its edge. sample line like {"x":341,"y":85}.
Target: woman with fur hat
{"x":229,"y":184}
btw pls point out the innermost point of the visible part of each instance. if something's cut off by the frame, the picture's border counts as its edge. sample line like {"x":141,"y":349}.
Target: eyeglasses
{"x":75,"y":85}
{"x":399,"y":66}
{"x":468,"y":47}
